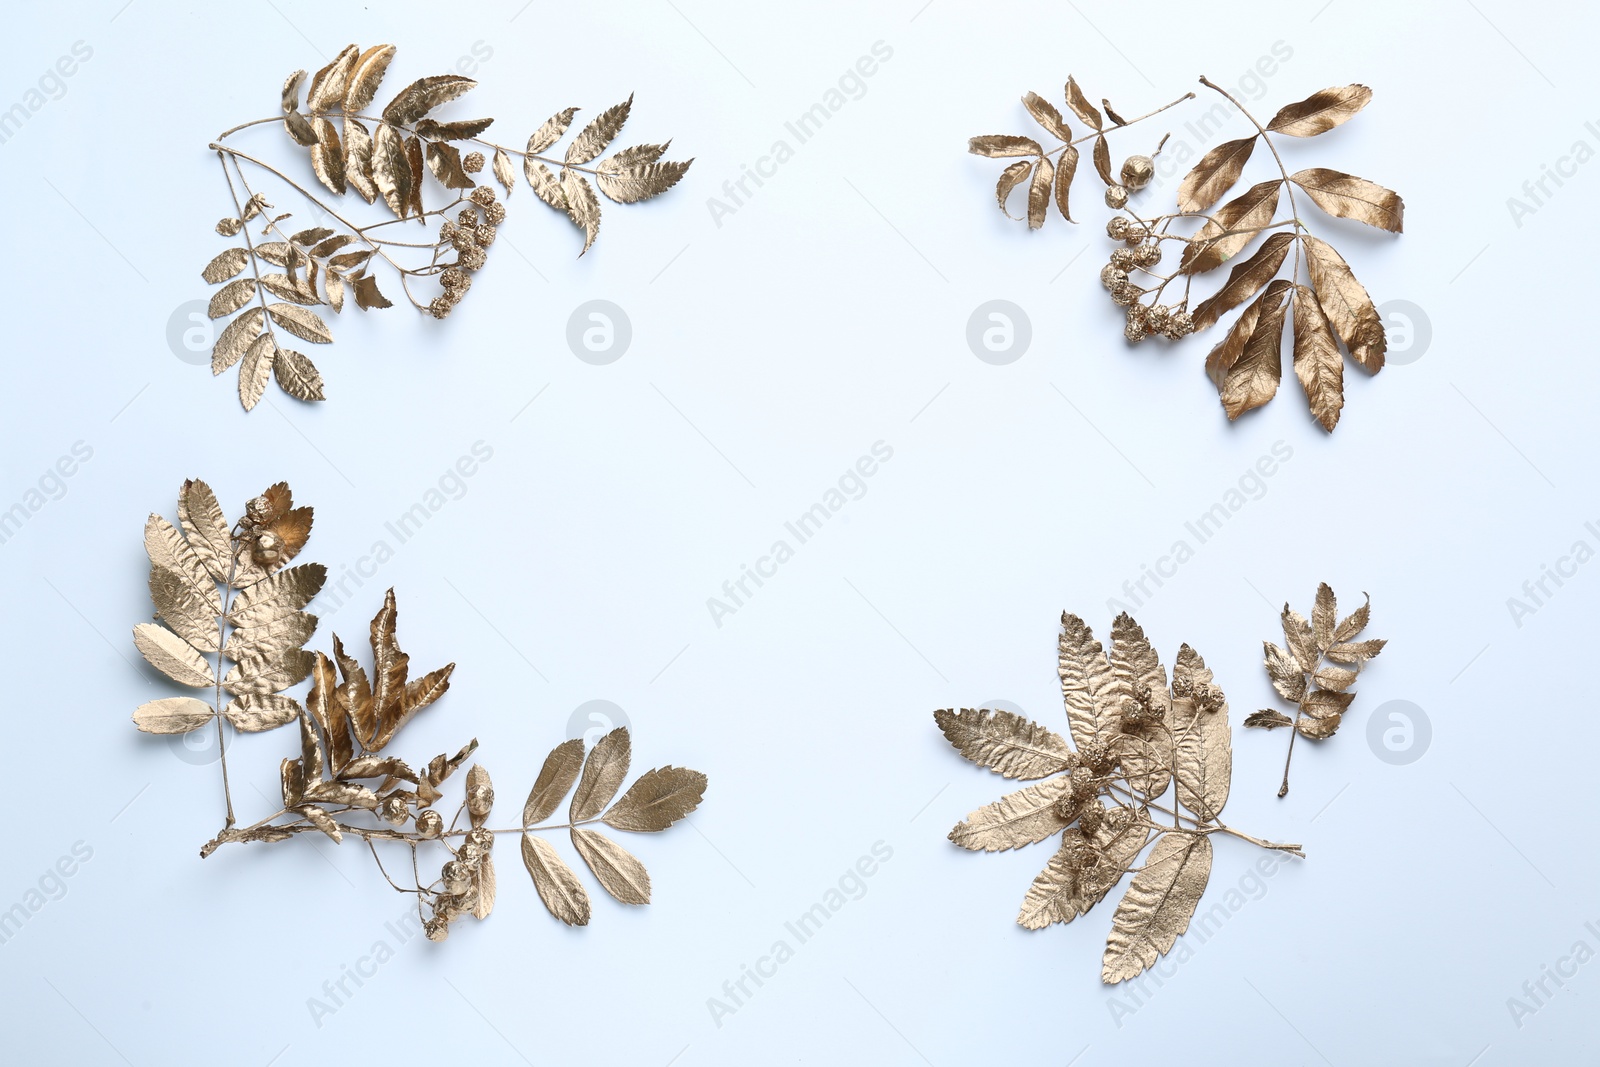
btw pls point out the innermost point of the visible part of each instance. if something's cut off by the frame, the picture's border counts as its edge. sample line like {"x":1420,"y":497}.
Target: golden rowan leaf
{"x":269,"y":639}
{"x":659,"y":798}
{"x":1214,"y":175}
{"x":1318,"y":728}
{"x":391,"y":170}
{"x":327,"y":156}
{"x":1267,"y":719}
{"x":1355,"y":651}
{"x":1003,"y":146}
{"x":1247,"y":365}
{"x":503,"y":172}
{"x":367,"y":294}
{"x":483,"y":885}
{"x":560,"y":770}
{"x":1245,"y":280}
{"x":1346,"y":304}
{"x":1090,"y":689}
{"x":1039,"y":192}
{"x":1158,"y":905}
{"x":1231,"y":227}
{"x":358,"y":160}
{"x":328,"y":85}
{"x":551,"y":130}
{"x":1014,"y":175}
{"x":423,"y":95}
{"x":619,"y":872}
{"x":172,"y":715}
{"x":169,"y":550}
{"x":1286,"y":674}
{"x":1347,"y":197}
{"x":1317,"y":362}
{"x":236,"y":339}
{"x":1140,"y":676}
{"x":319,"y":818}
{"x":257,"y":712}
{"x":291,"y":91}
{"x":1297,"y":637}
{"x":274,"y":597}
{"x":1007,"y":744}
{"x":306,"y":325}
{"x":1355,"y":622}
{"x":1324,"y":613}
{"x":461,"y":130}
{"x":558,"y":887}
{"x":354,"y":695}
{"x":1102,"y":160}
{"x":1022,"y":818}
{"x":255,"y":369}
{"x":203,"y":525}
{"x":297,"y":375}
{"x":1321,"y":111}
{"x":191,"y":613}
{"x":228,"y":262}
{"x":546,"y":186}
{"x":445,"y":162}
{"x":1066,"y":169}
{"x":268,"y":674}
{"x":592,"y":140}
{"x":1080,"y":105}
{"x":173,"y":656}
{"x":1202,"y":761}
{"x":1046,"y":115}
{"x":603,"y":773}
{"x":366,"y":74}
{"x":418,"y":169}
{"x":1336,"y":679}
{"x":582,"y":207}
{"x":231,"y":297}
{"x":1061,"y":893}
{"x":641,"y":181}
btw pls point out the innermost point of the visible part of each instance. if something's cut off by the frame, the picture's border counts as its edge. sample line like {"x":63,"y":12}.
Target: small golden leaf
{"x":358,"y":159}
{"x":1016,"y":819}
{"x":463,"y":130}
{"x":1158,"y":905}
{"x":1066,"y":169}
{"x":593,"y":139}
{"x":255,"y":370}
{"x":445,"y":162}
{"x":231,"y":297}
{"x":391,"y":170}
{"x":191,"y":613}
{"x":366,"y":75}
{"x":1267,"y":719}
{"x":1091,"y":691}
{"x":1233,"y":225}
{"x":235,"y":338}
{"x":1214,"y":175}
{"x":322,"y":821}
{"x":1355,"y":651}
{"x":1321,"y":111}
{"x":270,"y":674}
{"x":1347,"y":197}
{"x":291,"y":91}
{"x":203,"y":525}
{"x":582,"y":207}
{"x":603,"y":773}
{"x":659,"y":798}
{"x":558,"y":887}
{"x":257,"y":712}
{"x":1248,"y":364}
{"x":560,"y":770}
{"x":1081,"y":107}
{"x":172,"y":715}
{"x":1102,"y":160}
{"x":1202,"y":759}
{"x":272,"y":598}
{"x":546,"y":186}
{"x":327,"y":88}
{"x":1317,"y":362}
{"x":423,"y":95}
{"x":640,"y":181}
{"x":503,"y":172}
{"x":1008,"y":744}
{"x":552,"y":129}
{"x":483,"y":885}
{"x":272,"y":638}
{"x":1046,"y":115}
{"x":297,"y":375}
{"x":327,"y":156}
{"x":228,"y":262}
{"x":418,"y":171}
{"x":1346,"y":304}
{"x":173,"y":656}
{"x":367,"y":294}
{"x":1350,"y":625}
{"x":354,"y":694}
{"x":1014,"y":175}
{"x":1324,"y":613}
{"x":169,"y":550}
{"x":1039,"y":192}
{"x":619,"y":872}
{"x":306,"y":325}
{"x":1003,"y":146}
{"x":1286,"y":674}
{"x":1297,"y":637}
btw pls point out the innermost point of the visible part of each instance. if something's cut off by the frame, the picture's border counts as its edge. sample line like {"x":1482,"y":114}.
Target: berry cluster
{"x":470,"y":235}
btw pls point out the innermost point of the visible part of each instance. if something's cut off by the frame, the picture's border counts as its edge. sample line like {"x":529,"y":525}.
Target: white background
{"x":769,"y":353}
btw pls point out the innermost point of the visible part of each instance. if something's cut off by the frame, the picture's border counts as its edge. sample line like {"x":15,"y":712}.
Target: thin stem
{"x":1282,"y":170}
{"x":1102,"y":132}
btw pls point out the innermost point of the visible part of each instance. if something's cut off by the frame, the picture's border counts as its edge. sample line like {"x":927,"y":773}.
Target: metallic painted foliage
{"x":401,"y":157}
{"x":1323,"y":307}
{"x":1149,"y":763}
{"x":1318,"y":663}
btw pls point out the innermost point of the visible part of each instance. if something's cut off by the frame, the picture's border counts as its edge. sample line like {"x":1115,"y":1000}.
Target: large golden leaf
{"x":172,"y":715}
{"x":1233,"y":225}
{"x":1080,"y":105}
{"x":328,"y":85}
{"x":1014,"y":175}
{"x":231,"y":297}
{"x":1214,"y":175}
{"x":190,"y":613}
{"x":1158,"y":905}
{"x":1317,"y":362}
{"x":1047,"y":115}
{"x":1347,"y":197}
{"x":169,"y":550}
{"x":1003,"y":146}
{"x":603,"y":773}
{"x":268,"y":674}
{"x":560,"y":770}
{"x":1284,"y":671}
{"x":1066,"y":170}
{"x":1346,"y":304}
{"x":207,"y":531}
{"x":327,"y":156}
{"x":1245,"y":280}
{"x":236,"y":339}
{"x":366,"y":75}
{"x":551,"y":130}
{"x":228,"y":262}
{"x":594,"y":137}
{"x":358,"y":159}
{"x":391,"y":170}
{"x":1016,"y":819}
{"x":173,"y":656}
{"x":631,"y":184}
{"x":582,"y":207}
{"x":659,"y":798}
{"x":258,"y":712}
{"x":1039,"y":192}
{"x":558,"y":887}
{"x":618,"y":870}
{"x":297,"y":375}
{"x":1321,"y":111}
{"x":423,"y":95}
{"x":1007,"y":744}
{"x":272,"y":598}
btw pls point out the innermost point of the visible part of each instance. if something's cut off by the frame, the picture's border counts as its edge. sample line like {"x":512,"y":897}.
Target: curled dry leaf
{"x":421,"y":163}
{"x":1305,"y":671}
{"x":1139,"y":746}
